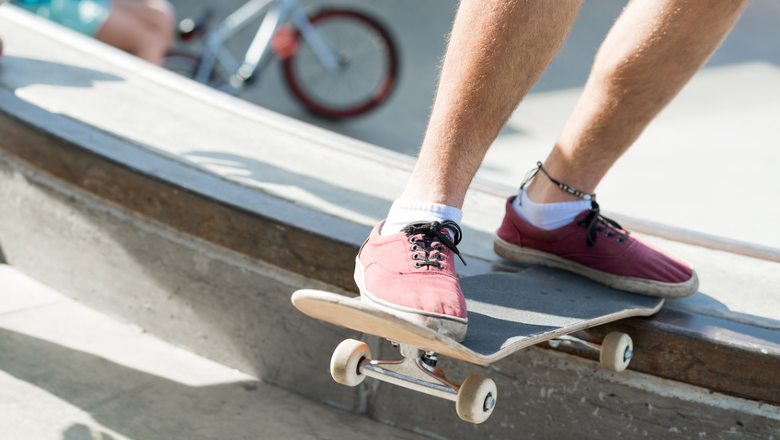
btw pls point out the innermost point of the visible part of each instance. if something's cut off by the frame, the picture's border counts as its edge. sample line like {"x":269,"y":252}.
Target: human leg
{"x":144,"y":28}
{"x":497,"y":50}
{"x":652,"y":51}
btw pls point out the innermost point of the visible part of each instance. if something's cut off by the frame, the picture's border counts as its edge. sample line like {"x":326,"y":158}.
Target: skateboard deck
{"x":506,"y":313}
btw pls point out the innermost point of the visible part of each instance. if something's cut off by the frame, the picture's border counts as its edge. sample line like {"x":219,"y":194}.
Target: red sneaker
{"x":596,"y":248}
{"x":411,"y":274}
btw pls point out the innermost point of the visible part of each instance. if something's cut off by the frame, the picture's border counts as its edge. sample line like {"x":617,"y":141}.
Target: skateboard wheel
{"x":476,"y":399}
{"x":616,"y":351}
{"x":345,"y":363}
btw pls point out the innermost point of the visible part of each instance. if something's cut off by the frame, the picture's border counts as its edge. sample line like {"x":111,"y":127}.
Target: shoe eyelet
{"x":439,"y":266}
{"x":439,"y":257}
{"x":609,"y":234}
{"x":417,"y":265}
{"x":581,"y":223}
{"x":621,"y":240}
{"x":412,"y":239}
{"x":416,"y":257}
{"x":416,"y":247}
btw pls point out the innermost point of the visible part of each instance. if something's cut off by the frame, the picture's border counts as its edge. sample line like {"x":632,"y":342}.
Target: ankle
{"x":544,"y":191}
{"x":544,"y":188}
{"x":548,"y":216}
{"x":404,"y":212}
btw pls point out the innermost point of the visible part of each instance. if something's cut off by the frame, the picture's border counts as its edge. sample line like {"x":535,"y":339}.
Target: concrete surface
{"x":314,"y":168}
{"x":189,"y":292}
{"x":70,"y":373}
{"x":216,"y":302}
{"x":707,"y":164}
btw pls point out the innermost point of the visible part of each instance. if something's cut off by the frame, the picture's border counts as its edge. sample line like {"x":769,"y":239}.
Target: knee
{"x":162,"y":16}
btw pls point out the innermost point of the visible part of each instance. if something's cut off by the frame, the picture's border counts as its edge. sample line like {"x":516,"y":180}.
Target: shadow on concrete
{"x":20,"y":72}
{"x":137,"y":405}
{"x":142,"y":406}
{"x":243,"y":169}
{"x":248,"y":170}
{"x":79,"y":431}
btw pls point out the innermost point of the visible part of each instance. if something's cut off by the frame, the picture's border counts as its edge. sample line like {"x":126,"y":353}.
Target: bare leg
{"x":653,"y":50}
{"x":143,"y":28}
{"x":498,"y":50}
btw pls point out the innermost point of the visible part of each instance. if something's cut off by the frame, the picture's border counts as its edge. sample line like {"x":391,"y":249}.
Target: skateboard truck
{"x":615,"y":352}
{"x":474,"y":399}
{"x":416,"y":371}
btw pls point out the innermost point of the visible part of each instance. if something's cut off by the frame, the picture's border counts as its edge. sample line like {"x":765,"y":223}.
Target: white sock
{"x":548,"y":216}
{"x":404,"y":212}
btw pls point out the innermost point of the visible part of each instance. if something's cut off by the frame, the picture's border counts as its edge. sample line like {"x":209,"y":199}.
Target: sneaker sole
{"x":642,"y":286}
{"x":452,"y":327}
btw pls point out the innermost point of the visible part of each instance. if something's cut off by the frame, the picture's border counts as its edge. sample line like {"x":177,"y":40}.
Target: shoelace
{"x":595,"y":223}
{"x":431,"y":241}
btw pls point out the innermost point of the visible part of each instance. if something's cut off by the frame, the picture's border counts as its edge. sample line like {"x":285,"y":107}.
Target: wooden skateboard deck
{"x":506,"y":311}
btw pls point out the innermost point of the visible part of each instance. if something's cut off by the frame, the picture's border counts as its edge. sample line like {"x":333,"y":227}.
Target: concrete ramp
{"x":194,"y":216}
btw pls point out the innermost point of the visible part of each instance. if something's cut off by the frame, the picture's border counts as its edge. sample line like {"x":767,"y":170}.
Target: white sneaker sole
{"x":642,"y":286}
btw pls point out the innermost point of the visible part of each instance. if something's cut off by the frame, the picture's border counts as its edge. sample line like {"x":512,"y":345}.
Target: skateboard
{"x":506,"y":311}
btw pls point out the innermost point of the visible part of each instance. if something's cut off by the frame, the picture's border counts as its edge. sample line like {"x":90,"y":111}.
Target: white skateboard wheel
{"x":476,"y":399}
{"x":345,"y":363}
{"x":616,"y":351}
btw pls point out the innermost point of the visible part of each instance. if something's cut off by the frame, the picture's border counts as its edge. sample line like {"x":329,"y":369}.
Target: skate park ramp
{"x":194,"y":215}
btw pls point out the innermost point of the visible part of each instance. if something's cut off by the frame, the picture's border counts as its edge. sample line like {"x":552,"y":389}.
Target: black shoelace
{"x":431,"y":242}
{"x":595,"y":223}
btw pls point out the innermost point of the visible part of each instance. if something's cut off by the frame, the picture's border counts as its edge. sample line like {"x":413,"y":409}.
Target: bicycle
{"x":338,"y":63}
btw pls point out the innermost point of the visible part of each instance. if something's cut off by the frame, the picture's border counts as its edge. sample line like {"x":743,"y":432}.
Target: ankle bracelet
{"x":563,"y":186}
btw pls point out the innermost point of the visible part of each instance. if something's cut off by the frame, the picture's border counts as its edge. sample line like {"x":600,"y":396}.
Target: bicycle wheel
{"x":367,"y":69}
{"x":186,"y":64}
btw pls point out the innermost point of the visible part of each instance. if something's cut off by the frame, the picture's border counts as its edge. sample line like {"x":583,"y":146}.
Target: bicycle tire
{"x":186,"y":64}
{"x":383,"y":76}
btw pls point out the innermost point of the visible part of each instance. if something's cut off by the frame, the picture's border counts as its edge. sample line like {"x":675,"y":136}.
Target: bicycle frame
{"x":274,"y":13}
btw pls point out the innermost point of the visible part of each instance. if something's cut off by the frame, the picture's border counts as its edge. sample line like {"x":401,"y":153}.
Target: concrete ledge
{"x":208,"y":262}
{"x":235,"y":309}
{"x":187,"y":199}
{"x":272,"y":233}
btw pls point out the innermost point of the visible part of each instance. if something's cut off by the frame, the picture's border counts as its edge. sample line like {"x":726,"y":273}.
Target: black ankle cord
{"x":592,"y":221}
{"x":563,"y":186}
